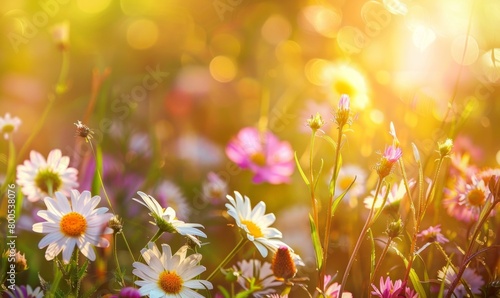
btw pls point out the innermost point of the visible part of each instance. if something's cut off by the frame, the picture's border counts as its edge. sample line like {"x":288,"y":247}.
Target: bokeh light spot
{"x":383,"y":77}
{"x":93,"y":6}
{"x":471,"y":51}
{"x":423,"y":37}
{"x":276,"y":29}
{"x":498,"y":157}
{"x":322,"y":19}
{"x":377,"y":116}
{"x":142,"y":34}
{"x":223,"y":69}
{"x":314,"y":70}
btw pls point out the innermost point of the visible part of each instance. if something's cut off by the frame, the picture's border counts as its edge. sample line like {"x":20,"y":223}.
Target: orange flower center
{"x":476,"y":197}
{"x":73,"y":224}
{"x":253,"y":229}
{"x":170,"y":282}
{"x":258,"y":158}
{"x":345,"y":182}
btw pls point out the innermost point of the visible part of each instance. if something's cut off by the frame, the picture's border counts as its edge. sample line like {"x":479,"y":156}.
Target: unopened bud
{"x":283,"y":265}
{"x":445,"y":148}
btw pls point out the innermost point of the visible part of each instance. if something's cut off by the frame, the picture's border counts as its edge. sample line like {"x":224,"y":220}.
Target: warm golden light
{"x":142,"y":34}
{"x":223,"y":69}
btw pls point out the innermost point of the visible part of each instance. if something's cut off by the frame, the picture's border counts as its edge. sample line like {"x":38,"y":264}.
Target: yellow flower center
{"x":344,"y":182}
{"x":7,"y":128}
{"x":253,"y":229}
{"x":258,"y":158}
{"x":344,"y":87}
{"x":46,"y":178}
{"x":476,"y":197}
{"x":170,"y":282}
{"x":73,"y":224}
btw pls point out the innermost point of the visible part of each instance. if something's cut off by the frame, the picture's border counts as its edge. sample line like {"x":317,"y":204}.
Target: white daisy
{"x":39,"y":177}
{"x":262,"y":274}
{"x":67,"y":225}
{"x":255,"y":223}
{"x":169,"y":276}
{"x":166,"y":220}
{"x":8,"y":125}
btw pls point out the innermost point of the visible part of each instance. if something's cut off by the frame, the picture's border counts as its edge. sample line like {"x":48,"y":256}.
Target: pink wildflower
{"x":433,"y":234}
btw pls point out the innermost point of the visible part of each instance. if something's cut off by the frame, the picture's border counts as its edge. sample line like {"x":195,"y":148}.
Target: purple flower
{"x":270,"y":159}
{"x":433,"y":234}
{"x":392,"y":154}
{"x":128,"y":292}
{"x":388,"y":289}
{"x":344,"y":102}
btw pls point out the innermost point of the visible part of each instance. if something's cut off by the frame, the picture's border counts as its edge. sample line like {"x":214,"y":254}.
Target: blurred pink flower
{"x":332,"y":289}
{"x":473,"y":280}
{"x":465,"y":197}
{"x":270,"y":159}
{"x":433,"y":233}
{"x":388,"y":289}
{"x":214,"y":188}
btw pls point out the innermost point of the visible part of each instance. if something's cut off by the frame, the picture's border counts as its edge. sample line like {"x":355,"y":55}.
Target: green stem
{"x":235,"y":250}
{"x":128,"y":247}
{"x":311,"y":169}
{"x":367,"y":225}
{"x":98,"y":171}
{"x":115,"y":252}
{"x":333,"y":181}
{"x":382,"y":256}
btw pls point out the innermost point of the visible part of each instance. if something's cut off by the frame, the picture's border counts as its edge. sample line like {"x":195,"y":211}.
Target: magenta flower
{"x":128,"y":292}
{"x":270,"y":159}
{"x":388,"y":289}
{"x":433,"y":234}
{"x":392,"y":154}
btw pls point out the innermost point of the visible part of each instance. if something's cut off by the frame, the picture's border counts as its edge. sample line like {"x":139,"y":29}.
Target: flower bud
{"x":315,"y":122}
{"x":394,"y":229}
{"x":283,"y":265}
{"x":343,"y":114}
{"x":115,"y":224}
{"x":445,"y":148}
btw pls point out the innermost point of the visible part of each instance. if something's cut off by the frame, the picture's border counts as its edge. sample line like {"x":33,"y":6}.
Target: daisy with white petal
{"x":39,"y":177}
{"x":77,"y":223}
{"x":166,"y":220}
{"x":167,"y":275}
{"x":255,"y":223}
{"x":8,"y":125}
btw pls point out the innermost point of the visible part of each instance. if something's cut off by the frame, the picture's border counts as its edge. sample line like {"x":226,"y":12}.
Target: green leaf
{"x":96,"y":184}
{"x":318,"y":251}
{"x":413,"y":276}
{"x":341,"y":196}
{"x":224,"y":292}
{"x":319,"y":173}
{"x":372,"y":255}
{"x":330,"y":141}
{"x":83,"y":270}
{"x":300,"y":169}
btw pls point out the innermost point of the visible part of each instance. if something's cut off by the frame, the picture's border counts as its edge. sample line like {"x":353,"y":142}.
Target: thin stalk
{"x":367,"y":225}
{"x":311,"y":186}
{"x":128,"y":246}
{"x":326,"y":240}
{"x":100,"y":178}
{"x":235,"y":250}
{"x":467,"y":259}
{"x":115,"y":252}
{"x":379,"y":262}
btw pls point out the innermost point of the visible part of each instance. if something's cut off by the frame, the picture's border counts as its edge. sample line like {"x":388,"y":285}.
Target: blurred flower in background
{"x":9,"y":125}
{"x":270,"y":159}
